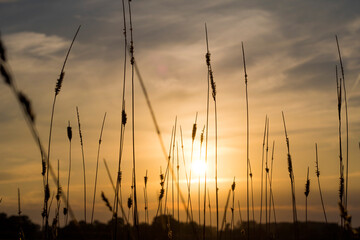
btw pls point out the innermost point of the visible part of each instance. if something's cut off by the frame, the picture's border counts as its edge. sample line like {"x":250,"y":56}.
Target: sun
{"x":199,"y":167}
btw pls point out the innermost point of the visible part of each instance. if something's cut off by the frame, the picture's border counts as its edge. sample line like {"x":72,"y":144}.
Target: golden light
{"x":199,"y":167}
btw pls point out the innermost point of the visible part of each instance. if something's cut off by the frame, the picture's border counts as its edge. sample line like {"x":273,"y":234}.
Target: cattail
{"x":106,"y":201}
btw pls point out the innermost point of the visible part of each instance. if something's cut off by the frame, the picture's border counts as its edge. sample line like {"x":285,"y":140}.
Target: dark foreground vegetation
{"x":165,"y":227}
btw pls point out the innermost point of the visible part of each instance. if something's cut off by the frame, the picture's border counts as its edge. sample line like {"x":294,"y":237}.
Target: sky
{"x":291,"y":56}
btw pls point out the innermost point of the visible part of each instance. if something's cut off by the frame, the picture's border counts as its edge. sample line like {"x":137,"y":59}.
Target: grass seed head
{"x":104,"y":198}
{"x":59,"y":83}
{"x":69,"y":132}
{"x":6,"y":75}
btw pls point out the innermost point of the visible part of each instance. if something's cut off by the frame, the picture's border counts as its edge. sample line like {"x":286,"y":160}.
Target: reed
{"x":69,"y":135}
{"x":189,"y":205}
{"x":57,"y":91}
{"x":97,"y":167}
{"x":247,"y":142}
{"x":262,"y":173}
{"x":199,"y":184}
{"x":224,"y":216}
{"x":193,"y":135}
{"x":346,"y":124}
{"x":83,"y":158}
{"x":146,"y":207}
{"x":113,"y":187}
{"x":252,"y":192}
{"x":266,"y":178}
{"x":122,"y":127}
{"x":271,"y":198}
{"x":178,"y":180}
{"x":317,"y":171}
{"x":136,"y":221}
{"x":292,"y":180}
{"x":339,"y":98}
{"x":58,"y":200}
{"x":232,"y":208}
{"x":307,"y":191}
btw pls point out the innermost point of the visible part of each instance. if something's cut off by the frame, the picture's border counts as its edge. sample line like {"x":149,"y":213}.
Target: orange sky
{"x":291,"y":56}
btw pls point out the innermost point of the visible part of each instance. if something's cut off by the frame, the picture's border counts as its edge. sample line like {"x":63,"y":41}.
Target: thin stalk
{"x":224,"y":216}
{"x":247,"y":143}
{"x":178,"y":180}
{"x":209,"y":78}
{"x":318,"y":177}
{"x":146,"y":199}
{"x":339,"y":97}
{"x":201,"y":141}
{"x":252,"y":192}
{"x":122,"y":128}
{"x":193,"y":135}
{"x":58,"y":199}
{"x":167,"y":172}
{"x":262,"y":173}
{"x":307,"y":191}
{"x":209,"y":208}
{"x":292,"y":180}
{"x":136,"y":221}
{"x":57,"y":91}
{"x":186,"y":176}
{"x":346,"y":125}
{"x":232,"y":208}
{"x":83,"y":158}
{"x":266,"y":177}
{"x":97,"y":166}
{"x":270,"y":185}
{"x":69,"y":134}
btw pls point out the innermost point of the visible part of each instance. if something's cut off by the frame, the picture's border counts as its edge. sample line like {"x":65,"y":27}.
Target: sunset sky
{"x":291,"y":56}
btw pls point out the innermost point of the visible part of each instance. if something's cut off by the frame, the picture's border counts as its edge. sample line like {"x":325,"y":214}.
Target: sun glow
{"x":199,"y":167}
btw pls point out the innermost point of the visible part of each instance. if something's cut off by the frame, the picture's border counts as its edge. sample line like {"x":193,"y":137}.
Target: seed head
{"x":59,"y":83}
{"x":69,"y":132}
{"x":123,"y":117}
{"x":26,"y":105}
{"x":6,"y":75}
{"x":129,"y":203}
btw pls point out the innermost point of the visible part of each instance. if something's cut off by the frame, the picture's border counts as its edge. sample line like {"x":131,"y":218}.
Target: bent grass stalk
{"x":292,"y":180}
{"x":317,"y":171}
{"x":97,"y":167}
{"x":193,"y":135}
{"x":57,"y":91}
{"x":83,"y":158}
{"x":346,"y":124}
